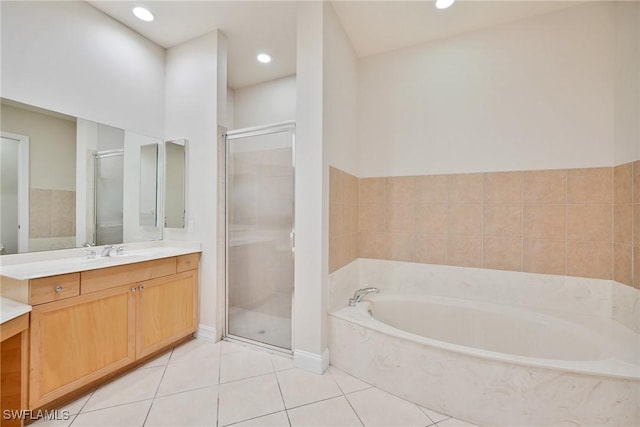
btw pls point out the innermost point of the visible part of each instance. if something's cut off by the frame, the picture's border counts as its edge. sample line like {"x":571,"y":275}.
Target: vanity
{"x":92,"y":318}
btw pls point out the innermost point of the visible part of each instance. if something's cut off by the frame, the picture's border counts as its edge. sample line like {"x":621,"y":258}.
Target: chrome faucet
{"x":106,"y":251}
{"x":359,"y":295}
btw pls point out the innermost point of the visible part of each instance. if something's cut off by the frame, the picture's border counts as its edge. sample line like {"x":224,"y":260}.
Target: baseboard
{"x":207,"y":333}
{"x":316,"y":363}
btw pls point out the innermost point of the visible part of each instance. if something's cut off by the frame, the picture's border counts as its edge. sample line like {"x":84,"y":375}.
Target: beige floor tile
{"x":279,"y":419}
{"x":436,"y":417}
{"x":244,"y":364}
{"x":452,"y":422}
{"x":195,"y":350}
{"x":249,"y":398}
{"x":191,"y":408}
{"x":189,"y":375}
{"x":300,"y":387}
{"x":137,"y":385}
{"x":76,"y":406}
{"x":377,"y":408}
{"x":232,"y":347}
{"x":130,"y":415}
{"x":327,"y":413}
{"x":161,"y":360}
{"x":281,"y":363}
{"x":346,"y":382}
{"x":53,"y":423}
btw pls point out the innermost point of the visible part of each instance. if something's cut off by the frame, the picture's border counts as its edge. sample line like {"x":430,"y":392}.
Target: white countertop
{"x":10,"y":309}
{"x":33,"y":269}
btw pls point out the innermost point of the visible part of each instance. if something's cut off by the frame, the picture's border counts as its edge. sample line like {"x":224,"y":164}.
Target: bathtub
{"x":491,"y":364}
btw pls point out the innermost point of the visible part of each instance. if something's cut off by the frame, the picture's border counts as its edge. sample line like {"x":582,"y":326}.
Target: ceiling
{"x":270,"y":26}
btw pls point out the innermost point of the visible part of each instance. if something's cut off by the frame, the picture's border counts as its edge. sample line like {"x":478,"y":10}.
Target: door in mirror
{"x":148,"y":185}
{"x":175,"y":188}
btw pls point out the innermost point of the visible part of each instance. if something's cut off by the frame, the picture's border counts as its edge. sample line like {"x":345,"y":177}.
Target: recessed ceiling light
{"x":264,"y":58}
{"x":443,"y":4}
{"x":143,"y":14}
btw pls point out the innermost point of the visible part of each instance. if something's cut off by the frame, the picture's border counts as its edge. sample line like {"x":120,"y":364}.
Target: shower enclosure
{"x":108,"y":197}
{"x":260,"y":234}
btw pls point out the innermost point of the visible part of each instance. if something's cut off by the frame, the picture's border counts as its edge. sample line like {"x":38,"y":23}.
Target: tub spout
{"x":359,"y":295}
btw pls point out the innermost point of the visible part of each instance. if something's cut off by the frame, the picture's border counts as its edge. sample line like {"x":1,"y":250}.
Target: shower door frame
{"x":289,"y":126}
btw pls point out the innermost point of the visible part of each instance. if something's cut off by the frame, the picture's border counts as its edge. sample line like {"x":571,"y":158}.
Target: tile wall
{"x":575,"y":222}
{"x":52,"y":215}
{"x":343,"y":218}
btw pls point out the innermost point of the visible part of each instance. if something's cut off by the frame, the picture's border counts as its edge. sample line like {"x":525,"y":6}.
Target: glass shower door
{"x":109,"y":197}
{"x":260,"y":224}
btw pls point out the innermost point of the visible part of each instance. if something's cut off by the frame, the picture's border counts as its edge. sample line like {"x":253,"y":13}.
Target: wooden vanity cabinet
{"x":110,"y":325}
{"x":78,"y":340}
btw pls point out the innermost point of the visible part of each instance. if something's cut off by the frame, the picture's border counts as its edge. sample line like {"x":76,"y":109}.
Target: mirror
{"x":78,"y":181}
{"x":175,"y":183}
{"x":148,"y":185}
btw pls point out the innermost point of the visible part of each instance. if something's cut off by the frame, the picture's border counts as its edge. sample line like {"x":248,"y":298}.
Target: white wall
{"x":533,"y":94}
{"x":191,"y":112}
{"x":340,"y":111}
{"x":71,"y":58}
{"x":311,"y":195}
{"x":265,"y":103}
{"x":627,"y":82}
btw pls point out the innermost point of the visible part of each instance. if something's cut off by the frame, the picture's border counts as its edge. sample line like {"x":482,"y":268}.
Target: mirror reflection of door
{"x":148,"y":185}
{"x":14,"y":193}
{"x":175,"y":184}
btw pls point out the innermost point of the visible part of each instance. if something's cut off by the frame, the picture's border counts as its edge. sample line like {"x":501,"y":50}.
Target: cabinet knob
{"x":141,"y":287}
{"x":59,"y":288}
{"x":133,"y":289}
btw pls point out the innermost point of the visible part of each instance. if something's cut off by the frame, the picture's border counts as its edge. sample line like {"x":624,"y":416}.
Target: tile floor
{"x":204,"y":384}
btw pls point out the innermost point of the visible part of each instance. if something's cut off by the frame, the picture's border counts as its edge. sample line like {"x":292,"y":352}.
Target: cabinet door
{"x":167,"y":310}
{"x":78,"y":340}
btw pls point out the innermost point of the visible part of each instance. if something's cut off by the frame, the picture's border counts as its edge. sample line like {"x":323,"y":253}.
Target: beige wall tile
{"x":400,"y":218}
{"x":636,"y":181}
{"x":400,"y":189}
{"x":544,"y":256}
{"x":400,"y":246}
{"x":465,"y":220}
{"x":350,"y":188}
{"x":590,"y":259}
{"x":371,"y":191}
{"x":466,"y":188}
{"x":63,"y":213}
{"x":39,"y":213}
{"x":544,"y":221}
{"x":503,"y":220}
{"x":431,"y":218}
{"x":336,"y":187}
{"x":590,"y":185}
{"x":350,"y":213}
{"x":371,"y":218}
{"x":502,"y":254}
{"x":622,"y":183}
{"x":503,"y":187}
{"x":354,"y":249}
{"x":464,"y":251}
{"x":623,"y":264}
{"x":590,"y":222}
{"x":339,"y":253}
{"x":336,"y":220}
{"x":623,"y":223}
{"x":431,"y":189}
{"x":636,"y":267}
{"x":548,"y":186}
{"x":431,"y":248}
{"x":636,"y":224}
{"x":371,"y":244}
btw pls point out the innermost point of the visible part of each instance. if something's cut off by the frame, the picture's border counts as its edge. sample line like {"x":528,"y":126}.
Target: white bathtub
{"x":491,"y":364}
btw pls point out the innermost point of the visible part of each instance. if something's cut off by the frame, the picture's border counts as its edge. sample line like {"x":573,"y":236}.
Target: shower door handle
{"x":292,"y":238}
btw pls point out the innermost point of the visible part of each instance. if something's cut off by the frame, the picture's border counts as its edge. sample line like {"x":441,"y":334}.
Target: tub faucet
{"x":359,"y":295}
{"x":106,"y":251}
